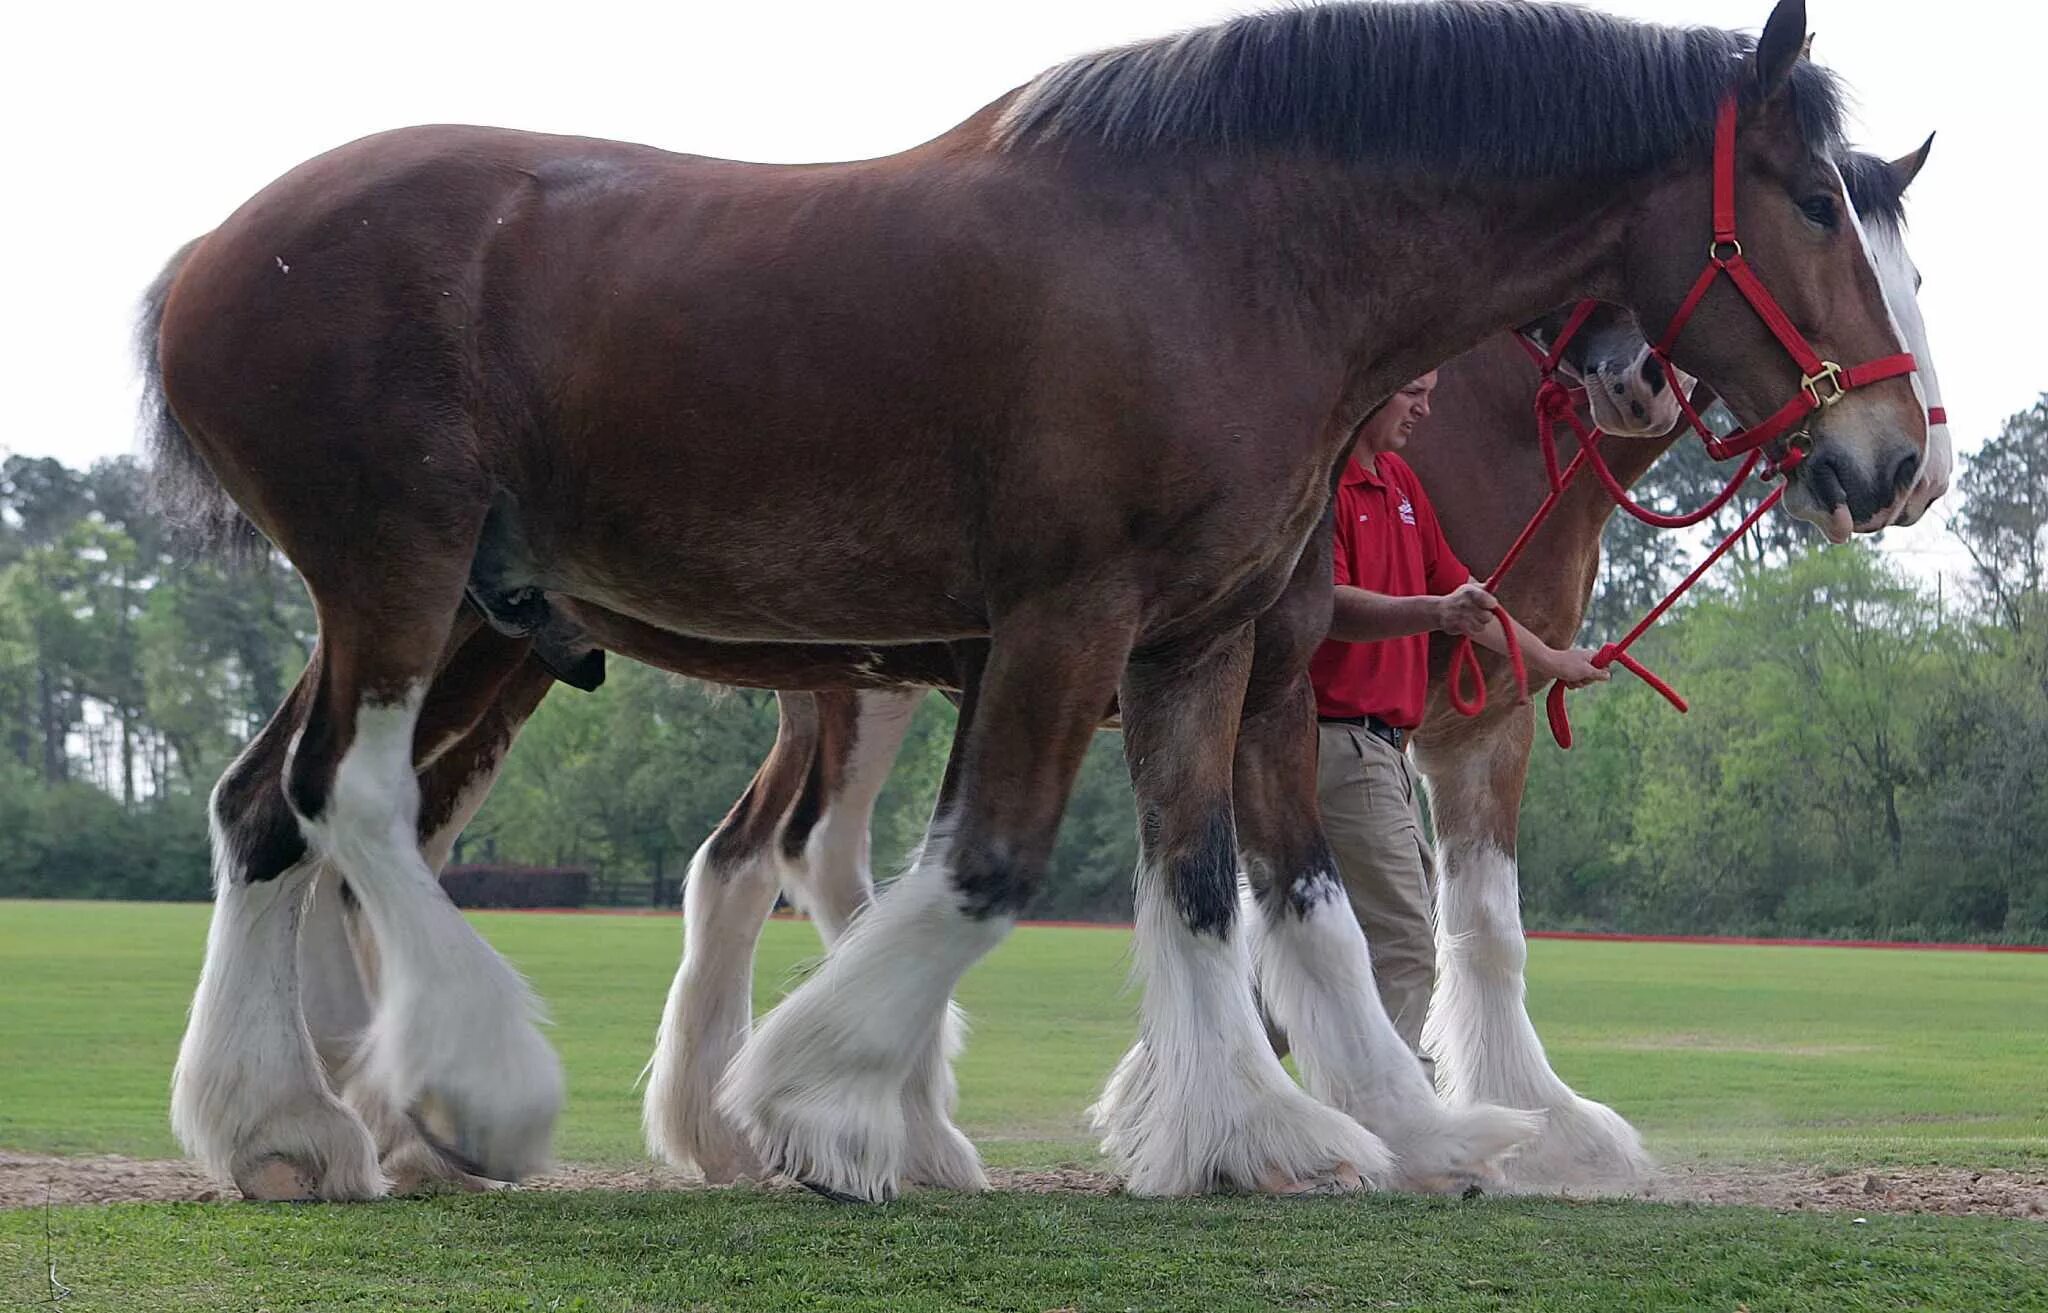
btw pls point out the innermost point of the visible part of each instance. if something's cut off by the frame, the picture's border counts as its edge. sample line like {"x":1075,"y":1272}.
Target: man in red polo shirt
{"x":1397,"y":582}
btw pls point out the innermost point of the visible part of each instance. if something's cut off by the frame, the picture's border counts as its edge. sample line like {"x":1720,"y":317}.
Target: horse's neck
{"x":1386,"y":269}
{"x":1408,"y":271}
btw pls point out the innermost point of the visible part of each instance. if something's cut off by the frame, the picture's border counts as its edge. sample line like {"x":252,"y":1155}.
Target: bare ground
{"x":29,"y":1180}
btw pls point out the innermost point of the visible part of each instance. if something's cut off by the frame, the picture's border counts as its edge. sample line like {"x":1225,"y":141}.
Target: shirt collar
{"x":1357,"y":473}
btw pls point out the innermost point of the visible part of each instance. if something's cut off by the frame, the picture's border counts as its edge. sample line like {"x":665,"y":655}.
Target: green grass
{"x":747,"y":1250}
{"x":1730,"y":1054}
{"x":1832,"y":1056}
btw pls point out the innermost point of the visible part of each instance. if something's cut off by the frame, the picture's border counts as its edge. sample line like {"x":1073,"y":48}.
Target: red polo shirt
{"x":1387,"y":541}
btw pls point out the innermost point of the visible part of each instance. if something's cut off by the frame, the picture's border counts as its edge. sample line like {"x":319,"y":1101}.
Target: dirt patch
{"x":27,"y":1180}
{"x":1953,"y":1191}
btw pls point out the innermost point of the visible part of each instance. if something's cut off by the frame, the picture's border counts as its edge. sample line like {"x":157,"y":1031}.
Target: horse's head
{"x":1625,"y":383}
{"x":1877,"y":188}
{"x":1792,"y":328}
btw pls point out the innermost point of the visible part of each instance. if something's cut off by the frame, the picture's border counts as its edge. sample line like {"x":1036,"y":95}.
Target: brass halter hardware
{"x":1830,"y":374}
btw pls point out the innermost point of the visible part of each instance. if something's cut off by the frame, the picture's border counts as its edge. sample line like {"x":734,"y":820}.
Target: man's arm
{"x":1572,"y":666}
{"x":1366,"y":617}
{"x":1361,"y":616}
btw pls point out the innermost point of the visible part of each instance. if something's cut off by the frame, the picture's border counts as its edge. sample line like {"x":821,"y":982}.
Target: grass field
{"x":1844,"y":1057}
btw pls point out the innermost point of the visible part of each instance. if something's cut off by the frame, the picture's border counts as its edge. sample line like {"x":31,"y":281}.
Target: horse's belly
{"x":757,"y":585}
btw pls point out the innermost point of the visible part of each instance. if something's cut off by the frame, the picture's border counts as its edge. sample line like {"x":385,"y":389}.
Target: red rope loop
{"x":1465,"y":660}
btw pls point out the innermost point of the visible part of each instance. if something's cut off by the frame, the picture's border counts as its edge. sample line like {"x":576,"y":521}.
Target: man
{"x":1397,"y":582}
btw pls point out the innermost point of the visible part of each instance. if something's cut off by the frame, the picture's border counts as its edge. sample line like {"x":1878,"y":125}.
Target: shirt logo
{"x":1407,"y":511}
{"x":1363,"y":517}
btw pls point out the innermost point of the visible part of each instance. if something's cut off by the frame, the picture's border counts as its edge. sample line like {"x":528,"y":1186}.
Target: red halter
{"x":1822,"y":384}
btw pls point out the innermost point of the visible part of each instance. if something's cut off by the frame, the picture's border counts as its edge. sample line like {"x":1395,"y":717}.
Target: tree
{"x":2004,"y":518}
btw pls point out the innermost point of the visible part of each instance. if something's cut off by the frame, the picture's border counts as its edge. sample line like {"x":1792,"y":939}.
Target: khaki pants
{"x":1367,"y":794}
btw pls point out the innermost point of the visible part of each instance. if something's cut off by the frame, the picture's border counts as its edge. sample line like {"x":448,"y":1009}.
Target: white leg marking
{"x":454,"y":1039}
{"x":1200,"y":1102}
{"x":937,"y":1153}
{"x":332,"y":993}
{"x":337,"y":962}
{"x":248,"y":1099}
{"x":835,"y":881}
{"x":820,"y":1085}
{"x":1315,"y":979}
{"x":708,"y":1016}
{"x":1486,"y":1049}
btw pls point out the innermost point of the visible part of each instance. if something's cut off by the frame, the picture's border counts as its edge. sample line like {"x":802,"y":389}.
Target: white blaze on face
{"x":1889,"y":271}
{"x":1901,"y":282}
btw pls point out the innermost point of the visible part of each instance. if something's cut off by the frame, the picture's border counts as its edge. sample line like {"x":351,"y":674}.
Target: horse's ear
{"x":1907,"y":167}
{"x":1780,"y":47}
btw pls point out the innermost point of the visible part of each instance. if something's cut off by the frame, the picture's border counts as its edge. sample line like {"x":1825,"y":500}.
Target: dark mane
{"x":1469,"y":87}
{"x":1873,"y":189}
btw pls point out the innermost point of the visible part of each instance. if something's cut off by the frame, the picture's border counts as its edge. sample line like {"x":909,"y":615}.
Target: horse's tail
{"x":187,"y":493}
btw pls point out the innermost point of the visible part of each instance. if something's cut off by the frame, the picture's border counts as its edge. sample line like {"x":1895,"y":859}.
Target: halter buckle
{"x":1733,"y":245}
{"x":1830,"y":374}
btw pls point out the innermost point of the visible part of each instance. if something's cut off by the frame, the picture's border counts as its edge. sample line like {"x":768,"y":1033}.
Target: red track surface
{"x":1588,"y":935}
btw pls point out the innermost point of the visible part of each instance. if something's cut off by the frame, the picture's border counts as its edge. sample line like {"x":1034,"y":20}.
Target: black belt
{"x":1374,"y":726}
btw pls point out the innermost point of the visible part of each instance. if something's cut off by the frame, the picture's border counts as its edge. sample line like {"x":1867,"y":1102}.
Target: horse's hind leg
{"x":453,"y":1041}
{"x":826,"y":836}
{"x":333,"y":996}
{"x":727,"y":896}
{"x":477,"y":707}
{"x":248,"y":1098}
{"x":1479,"y":1031}
{"x":829,"y":877}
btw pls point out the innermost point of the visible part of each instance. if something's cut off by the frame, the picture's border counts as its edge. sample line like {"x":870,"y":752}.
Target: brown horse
{"x":1485,"y":1046}
{"x":1072,"y":377}
{"x":802,"y":826}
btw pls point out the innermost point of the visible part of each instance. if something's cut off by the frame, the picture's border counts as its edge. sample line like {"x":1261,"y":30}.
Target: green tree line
{"x":1866,"y":755}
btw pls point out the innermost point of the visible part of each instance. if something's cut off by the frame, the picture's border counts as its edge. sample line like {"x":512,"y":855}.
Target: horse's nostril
{"x":1639,"y":409}
{"x":1619,"y":389}
{"x":1905,"y":471}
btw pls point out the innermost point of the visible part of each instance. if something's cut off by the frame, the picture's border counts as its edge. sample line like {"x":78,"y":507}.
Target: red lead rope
{"x":1822,"y":383}
{"x":1555,"y":401}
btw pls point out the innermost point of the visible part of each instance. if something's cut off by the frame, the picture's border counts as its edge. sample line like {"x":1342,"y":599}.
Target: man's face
{"x":1390,"y":429}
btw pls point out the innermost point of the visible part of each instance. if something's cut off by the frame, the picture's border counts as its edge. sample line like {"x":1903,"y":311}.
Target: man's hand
{"x":1466,"y":612}
{"x":1574,"y":668}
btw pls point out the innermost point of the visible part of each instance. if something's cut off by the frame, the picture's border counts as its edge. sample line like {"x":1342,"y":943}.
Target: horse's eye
{"x":1819,"y":209}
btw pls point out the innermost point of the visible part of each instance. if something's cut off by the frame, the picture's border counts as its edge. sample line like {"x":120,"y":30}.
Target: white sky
{"x":123,"y":136}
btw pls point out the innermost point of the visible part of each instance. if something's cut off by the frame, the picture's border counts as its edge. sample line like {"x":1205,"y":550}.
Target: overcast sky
{"x":125,"y":136}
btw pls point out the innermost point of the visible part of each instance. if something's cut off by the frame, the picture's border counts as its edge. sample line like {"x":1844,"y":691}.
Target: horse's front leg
{"x":1479,"y":1030}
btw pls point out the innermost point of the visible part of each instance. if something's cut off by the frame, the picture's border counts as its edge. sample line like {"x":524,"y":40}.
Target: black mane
{"x":1473,"y":88}
{"x":1873,"y":189}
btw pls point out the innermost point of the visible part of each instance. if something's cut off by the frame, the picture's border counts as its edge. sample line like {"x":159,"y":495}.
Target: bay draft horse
{"x":1072,"y":377}
{"x":801,"y":828}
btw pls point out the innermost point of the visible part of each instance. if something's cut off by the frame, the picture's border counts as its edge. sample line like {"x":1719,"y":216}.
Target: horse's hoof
{"x":1344,"y":1178}
{"x":827,"y":1192}
{"x":277,"y":1180}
